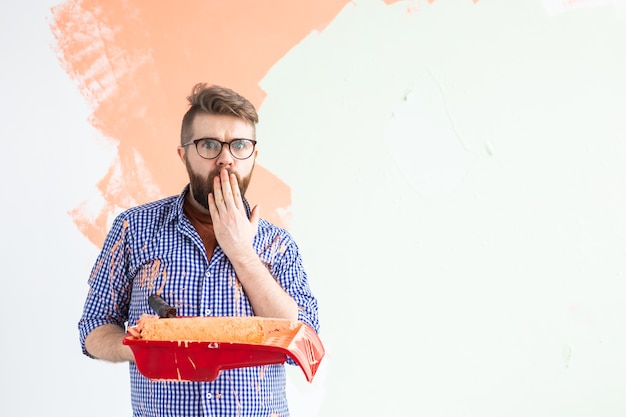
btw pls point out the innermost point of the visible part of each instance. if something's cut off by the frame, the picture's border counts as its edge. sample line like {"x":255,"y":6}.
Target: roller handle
{"x":159,"y":305}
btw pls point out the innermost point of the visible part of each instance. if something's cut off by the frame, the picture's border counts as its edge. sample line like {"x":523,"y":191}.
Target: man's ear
{"x":182,"y":154}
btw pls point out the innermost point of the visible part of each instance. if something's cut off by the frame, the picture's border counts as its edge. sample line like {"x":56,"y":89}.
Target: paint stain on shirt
{"x":237,"y":293}
{"x":271,"y":250}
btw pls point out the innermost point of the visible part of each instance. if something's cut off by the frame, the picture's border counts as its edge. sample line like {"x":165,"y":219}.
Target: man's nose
{"x":225,"y":158}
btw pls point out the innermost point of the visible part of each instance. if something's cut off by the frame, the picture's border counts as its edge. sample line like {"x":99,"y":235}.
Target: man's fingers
{"x":226,"y":193}
{"x":213,"y":208}
{"x":226,"y":189}
{"x":217,"y":190}
{"x":234,"y":187}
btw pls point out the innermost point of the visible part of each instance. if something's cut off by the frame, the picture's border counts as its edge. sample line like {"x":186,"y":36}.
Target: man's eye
{"x":238,"y":144}
{"x":210,"y":144}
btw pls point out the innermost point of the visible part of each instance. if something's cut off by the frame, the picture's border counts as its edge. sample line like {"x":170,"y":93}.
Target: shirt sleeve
{"x":109,"y":284}
{"x":290,"y":273}
{"x":288,"y":270}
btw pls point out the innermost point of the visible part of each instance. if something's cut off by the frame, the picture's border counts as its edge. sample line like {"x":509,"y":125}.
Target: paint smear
{"x":135,"y":63}
{"x":412,"y":2}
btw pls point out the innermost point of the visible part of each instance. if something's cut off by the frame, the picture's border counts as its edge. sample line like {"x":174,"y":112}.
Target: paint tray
{"x":203,"y":361}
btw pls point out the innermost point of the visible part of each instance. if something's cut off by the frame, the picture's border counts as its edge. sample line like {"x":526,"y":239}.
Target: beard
{"x":202,"y":186}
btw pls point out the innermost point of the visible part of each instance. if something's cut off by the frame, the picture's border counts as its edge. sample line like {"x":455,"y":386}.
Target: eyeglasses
{"x":209,"y":148}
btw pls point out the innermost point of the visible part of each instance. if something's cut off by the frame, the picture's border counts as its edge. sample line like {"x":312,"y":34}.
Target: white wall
{"x":458,"y":181}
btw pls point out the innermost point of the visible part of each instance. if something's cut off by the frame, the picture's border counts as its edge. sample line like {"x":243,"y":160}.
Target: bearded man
{"x":209,"y":254}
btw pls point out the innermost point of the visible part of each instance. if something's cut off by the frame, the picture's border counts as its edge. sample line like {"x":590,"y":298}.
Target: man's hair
{"x":215,"y":100}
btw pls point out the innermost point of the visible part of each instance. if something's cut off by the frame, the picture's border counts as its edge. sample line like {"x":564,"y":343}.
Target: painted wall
{"x":452,"y":170}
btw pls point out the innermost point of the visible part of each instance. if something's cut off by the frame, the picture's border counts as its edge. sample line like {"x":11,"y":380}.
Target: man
{"x":207,"y":254}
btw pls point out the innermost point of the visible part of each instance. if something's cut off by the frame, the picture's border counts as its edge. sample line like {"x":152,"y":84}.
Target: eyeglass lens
{"x":211,"y":148}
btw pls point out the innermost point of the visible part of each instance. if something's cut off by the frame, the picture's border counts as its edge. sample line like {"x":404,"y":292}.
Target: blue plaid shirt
{"x":154,"y":248}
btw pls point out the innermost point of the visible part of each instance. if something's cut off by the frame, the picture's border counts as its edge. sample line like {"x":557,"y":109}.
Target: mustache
{"x":216,"y":173}
{"x":202,"y":186}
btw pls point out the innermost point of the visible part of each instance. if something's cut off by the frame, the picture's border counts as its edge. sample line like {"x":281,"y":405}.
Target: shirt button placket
{"x":206,"y":303}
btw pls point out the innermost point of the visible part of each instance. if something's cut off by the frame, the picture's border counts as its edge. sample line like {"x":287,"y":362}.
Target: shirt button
{"x":209,"y":396}
{"x":208,"y":312}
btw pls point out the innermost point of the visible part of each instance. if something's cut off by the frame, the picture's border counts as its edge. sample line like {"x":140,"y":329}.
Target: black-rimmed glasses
{"x":209,"y":148}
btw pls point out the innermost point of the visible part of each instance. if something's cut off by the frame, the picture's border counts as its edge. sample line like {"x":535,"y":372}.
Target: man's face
{"x":202,"y":171}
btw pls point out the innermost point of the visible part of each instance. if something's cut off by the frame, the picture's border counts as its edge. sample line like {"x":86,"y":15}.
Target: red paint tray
{"x":203,"y":361}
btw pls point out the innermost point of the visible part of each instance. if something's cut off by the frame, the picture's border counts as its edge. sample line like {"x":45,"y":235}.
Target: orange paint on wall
{"x":135,"y":63}
{"x":389,"y":2}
